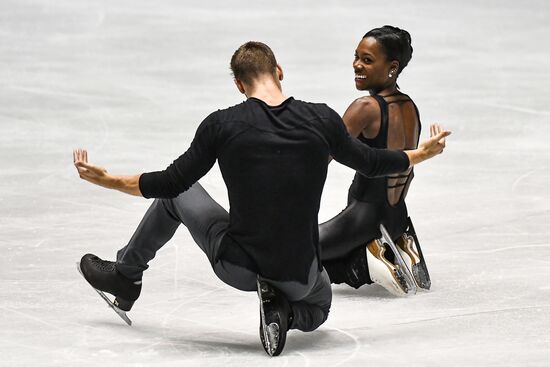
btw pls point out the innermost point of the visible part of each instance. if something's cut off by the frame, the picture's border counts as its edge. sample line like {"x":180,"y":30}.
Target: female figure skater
{"x":387,"y":118}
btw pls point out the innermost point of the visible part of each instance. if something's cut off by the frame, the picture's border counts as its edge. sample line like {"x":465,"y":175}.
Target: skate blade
{"x":401,"y":279}
{"x":273,"y":337}
{"x":270,"y":335}
{"x":408,"y":277}
{"x":421,"y":276}
{"x":420,"y":270}
{"x":415,"y":265}
{"x":118,"y":311}
{"x":418,"y":265}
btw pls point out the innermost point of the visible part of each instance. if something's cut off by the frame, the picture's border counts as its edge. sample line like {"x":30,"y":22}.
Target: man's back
{"x":274,"y":163}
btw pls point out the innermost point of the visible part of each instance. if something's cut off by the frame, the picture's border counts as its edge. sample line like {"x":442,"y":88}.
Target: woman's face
{"x":372,"y":69}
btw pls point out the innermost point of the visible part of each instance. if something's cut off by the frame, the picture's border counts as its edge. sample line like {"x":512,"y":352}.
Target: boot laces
{"x":103,"y":265}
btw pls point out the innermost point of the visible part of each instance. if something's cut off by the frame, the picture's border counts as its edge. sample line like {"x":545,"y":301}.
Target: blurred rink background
{"x":131,"y":81}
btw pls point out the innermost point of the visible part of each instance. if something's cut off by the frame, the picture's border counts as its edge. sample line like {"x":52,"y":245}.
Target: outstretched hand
{"x":89,"y":172}
{"x":436,"y":143}
{"x":99,"y":176}
{"x":431,"y":147}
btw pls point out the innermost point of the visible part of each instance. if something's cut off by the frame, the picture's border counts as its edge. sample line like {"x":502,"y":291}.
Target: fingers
{"x":80,"y":155}
{"x":437,"y":131}
{"x":76,"y":155}
{"x":80,"y":161}
{"x":443,"y":134}
{"x":83,"y":165}
{"x":441,"y":138}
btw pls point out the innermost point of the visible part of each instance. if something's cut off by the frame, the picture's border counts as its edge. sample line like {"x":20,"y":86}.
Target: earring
{"x":390,"y":75}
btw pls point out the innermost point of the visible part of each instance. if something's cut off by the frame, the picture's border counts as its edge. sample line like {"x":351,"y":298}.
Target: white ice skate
{"x":393,"y":276}
{"x":410,"y":250}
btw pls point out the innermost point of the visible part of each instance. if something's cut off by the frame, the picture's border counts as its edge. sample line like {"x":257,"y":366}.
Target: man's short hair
{"x":252,"y":60}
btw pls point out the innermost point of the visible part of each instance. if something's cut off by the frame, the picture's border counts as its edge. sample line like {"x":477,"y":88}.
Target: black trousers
{"x":207,"y":223}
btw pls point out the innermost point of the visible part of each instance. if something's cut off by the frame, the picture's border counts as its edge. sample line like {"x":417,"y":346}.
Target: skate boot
{"x":384,"y":272}
{"x":103,"y":276}
{"x":275,"y":318}
{"x":351,"y":270}
{"x":414,"y":260}
{"x":357,"y":270}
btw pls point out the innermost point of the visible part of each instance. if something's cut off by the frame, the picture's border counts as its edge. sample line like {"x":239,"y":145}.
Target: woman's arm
{"x":362,"y":114}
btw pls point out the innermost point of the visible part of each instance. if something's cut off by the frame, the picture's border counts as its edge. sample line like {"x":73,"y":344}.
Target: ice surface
{"x":131,"y":80}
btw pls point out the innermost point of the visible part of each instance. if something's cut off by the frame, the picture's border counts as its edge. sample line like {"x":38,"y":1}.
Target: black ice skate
{"x":103,"y":277}
{"x":410,"y":250}
{"x":275,"y":318}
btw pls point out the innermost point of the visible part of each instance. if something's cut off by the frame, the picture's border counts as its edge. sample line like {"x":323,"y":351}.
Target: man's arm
{"x":380,"y":162}
{"x":364,"y":112}
{"x":99,"y":175}
{"x":169,"y":183}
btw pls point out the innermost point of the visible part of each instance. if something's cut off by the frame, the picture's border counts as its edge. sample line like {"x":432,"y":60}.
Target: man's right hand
{"x":99,"y":176}
{"x":89,"y":172}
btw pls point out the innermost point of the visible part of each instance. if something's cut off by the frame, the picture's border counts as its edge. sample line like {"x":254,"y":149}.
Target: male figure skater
{"x":272,"y":152}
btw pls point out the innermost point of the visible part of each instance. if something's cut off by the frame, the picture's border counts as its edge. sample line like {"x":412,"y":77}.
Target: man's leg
{"x":205,"y":219}
{"x":310,"y":303}
{"x":207,"y":222}
{"x":312,"y":311}
{"x":283,"y":305}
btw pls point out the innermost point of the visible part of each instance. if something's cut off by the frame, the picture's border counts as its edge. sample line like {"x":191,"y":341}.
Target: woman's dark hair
{"x":396,"y":43}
